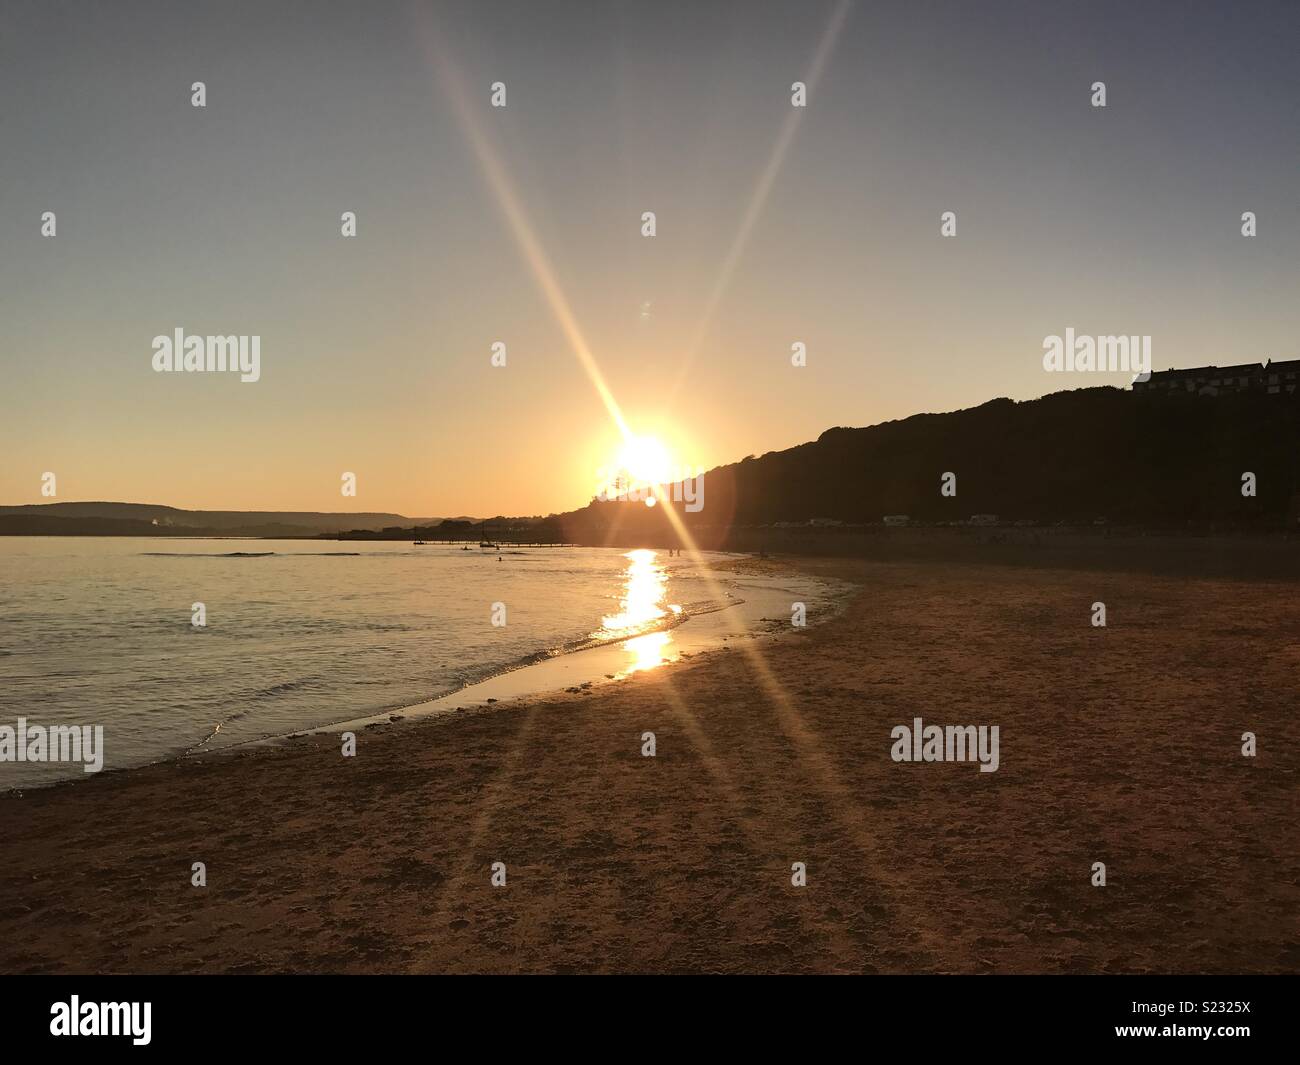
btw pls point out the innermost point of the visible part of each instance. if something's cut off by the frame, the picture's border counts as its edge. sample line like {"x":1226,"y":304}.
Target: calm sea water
{"x":298,"y":634}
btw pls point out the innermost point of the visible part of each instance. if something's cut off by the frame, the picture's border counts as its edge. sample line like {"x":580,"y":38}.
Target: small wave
{"x":239,"y":715}
{"x":606,"y":637}
{"x":280,"y":689}
{"x":250,"y":554}
{"x":206,"y":554}
{"x":477,"y":676}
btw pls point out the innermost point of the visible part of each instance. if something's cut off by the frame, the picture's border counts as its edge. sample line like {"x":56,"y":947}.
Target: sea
{"x":297,"y":634}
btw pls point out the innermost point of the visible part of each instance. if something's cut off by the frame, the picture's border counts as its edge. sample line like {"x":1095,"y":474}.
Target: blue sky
{"x":375,"y":350}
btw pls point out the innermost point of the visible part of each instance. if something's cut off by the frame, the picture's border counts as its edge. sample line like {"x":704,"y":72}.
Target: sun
{"x":646,"y":460}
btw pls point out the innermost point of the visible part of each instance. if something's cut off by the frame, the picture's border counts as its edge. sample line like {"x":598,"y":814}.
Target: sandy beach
{"x":1119,"y":745}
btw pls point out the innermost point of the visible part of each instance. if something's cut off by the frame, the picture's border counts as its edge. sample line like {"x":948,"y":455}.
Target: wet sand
{"x":1120,"y":745}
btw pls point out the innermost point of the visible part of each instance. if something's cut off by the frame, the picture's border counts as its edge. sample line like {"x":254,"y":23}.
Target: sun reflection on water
{"x":645,"y":585}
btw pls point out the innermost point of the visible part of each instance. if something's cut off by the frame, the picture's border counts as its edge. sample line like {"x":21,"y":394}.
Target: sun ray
{"x":534,"y":254}
{"x":758,"y":198}
{"x":512,"y":207}
{"x":843,"y":802}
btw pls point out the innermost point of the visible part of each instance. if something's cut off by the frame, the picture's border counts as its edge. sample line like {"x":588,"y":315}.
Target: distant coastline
{"x":1170,"y":462}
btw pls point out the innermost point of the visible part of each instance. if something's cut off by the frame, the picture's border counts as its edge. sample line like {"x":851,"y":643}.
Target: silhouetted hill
{"x":1076,"y":457}
{"x":49,"y":525}
{"x":150,"y":519}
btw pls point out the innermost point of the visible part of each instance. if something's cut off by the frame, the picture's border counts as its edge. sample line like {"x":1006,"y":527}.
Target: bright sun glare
{"x":642,"y":607}
{"x":646,"y":460}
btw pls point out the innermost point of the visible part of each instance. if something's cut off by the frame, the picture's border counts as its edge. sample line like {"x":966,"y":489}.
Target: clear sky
{"x":773,"y":226}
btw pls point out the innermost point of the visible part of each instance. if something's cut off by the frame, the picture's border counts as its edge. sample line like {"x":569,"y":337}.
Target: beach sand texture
{"x":1120,"y":745}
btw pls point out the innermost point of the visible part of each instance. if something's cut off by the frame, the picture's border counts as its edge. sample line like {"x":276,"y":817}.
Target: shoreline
{"x":1118,"y":745}
{"x":549,"y":671}
{"x":584,"y":670}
